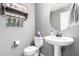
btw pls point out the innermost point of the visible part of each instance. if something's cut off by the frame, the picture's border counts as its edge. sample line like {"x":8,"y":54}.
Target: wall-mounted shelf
{"x":17,"y":13}
{"x":8,"y":10}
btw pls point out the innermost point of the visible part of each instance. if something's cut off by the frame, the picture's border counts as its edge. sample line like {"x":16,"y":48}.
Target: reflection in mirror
{"x":64,"y":17}
{"x":59,"y":16}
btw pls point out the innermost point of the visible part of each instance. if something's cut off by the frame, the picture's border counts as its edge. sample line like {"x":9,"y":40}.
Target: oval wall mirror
{"x":59,"y":16}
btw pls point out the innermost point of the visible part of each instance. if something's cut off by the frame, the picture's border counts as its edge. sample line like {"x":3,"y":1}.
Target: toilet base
{"x":35,"y":54}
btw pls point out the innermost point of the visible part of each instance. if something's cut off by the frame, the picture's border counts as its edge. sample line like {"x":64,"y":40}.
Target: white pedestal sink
{"x":58,"y":42}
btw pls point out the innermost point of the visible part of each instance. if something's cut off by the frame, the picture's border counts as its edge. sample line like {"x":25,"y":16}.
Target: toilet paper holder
{"x":16,"y":43}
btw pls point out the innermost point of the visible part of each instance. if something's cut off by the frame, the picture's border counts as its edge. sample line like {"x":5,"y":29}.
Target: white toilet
{"x":34,"y":50}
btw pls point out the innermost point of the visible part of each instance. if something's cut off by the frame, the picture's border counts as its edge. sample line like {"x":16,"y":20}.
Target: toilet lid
{"x":30,"y":49}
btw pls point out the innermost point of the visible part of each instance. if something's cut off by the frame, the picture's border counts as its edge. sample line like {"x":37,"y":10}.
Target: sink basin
{"x":58,"y":42}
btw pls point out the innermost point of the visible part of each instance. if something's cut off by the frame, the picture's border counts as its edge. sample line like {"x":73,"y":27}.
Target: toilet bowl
{"x":30,"y":51}
{"x":34,"y":50}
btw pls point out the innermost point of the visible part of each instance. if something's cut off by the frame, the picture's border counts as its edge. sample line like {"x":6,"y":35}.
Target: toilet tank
{"x":38,"y":41}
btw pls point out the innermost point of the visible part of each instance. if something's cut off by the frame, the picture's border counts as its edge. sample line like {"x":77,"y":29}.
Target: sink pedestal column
{"x":57,"y":50}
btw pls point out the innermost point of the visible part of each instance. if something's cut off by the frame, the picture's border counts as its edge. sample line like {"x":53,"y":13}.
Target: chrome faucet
{"x":58,"y":34}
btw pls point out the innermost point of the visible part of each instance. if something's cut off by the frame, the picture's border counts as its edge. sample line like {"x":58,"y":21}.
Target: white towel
{"x":73,"y":18}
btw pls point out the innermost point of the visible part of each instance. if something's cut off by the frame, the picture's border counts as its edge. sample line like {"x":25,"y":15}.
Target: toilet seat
{"x":30,"y":50}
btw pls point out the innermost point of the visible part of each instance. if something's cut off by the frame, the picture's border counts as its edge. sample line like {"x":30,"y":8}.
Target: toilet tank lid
{"x":30,"y":49}
{"x":38,"y":38}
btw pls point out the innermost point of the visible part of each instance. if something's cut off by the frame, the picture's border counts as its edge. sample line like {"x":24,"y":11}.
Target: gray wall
{"x":10,"y":34}
{"x":43,"y":24}
{"x":73,"y":50}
